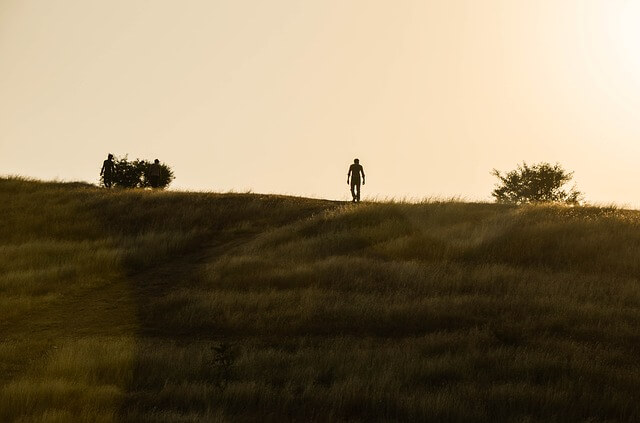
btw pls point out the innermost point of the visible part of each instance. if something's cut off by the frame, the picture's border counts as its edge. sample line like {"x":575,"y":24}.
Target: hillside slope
{"x":165,"y":306}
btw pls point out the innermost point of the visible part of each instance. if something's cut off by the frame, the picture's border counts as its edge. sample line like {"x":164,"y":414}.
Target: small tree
{"x":539,"y":183}
{"x":133,"y":174}
{"x":126,"y":174}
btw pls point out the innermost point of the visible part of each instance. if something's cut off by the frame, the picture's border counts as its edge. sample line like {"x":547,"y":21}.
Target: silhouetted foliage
{"x":538,"y":183}
{"x":133,"y":174}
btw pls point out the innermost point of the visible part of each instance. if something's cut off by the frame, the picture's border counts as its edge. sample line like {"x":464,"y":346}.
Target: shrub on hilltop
{"x":134,"y":173}
{"x":538,"y":183}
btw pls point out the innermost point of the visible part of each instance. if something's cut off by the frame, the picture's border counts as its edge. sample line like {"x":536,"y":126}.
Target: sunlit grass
{"x":170,"y":307}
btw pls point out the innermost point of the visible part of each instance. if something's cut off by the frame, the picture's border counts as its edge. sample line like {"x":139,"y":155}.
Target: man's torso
{"x":108,"y":166}
{"x":355,"y":170}
{"x":154,"y":170}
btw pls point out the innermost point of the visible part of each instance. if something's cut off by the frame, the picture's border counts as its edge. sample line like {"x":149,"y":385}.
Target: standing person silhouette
{"x":354,"y":173}
{"x":107,"y":171}
{"x":154,"y":174}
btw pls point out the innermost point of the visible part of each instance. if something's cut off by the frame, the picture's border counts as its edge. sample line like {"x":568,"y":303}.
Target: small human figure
{"x":154,"y":174}
{"x":354,"y":173}
{"x":107,"y":171}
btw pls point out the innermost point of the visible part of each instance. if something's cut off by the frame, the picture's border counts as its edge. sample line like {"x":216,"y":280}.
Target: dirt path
{"x":182,"y":271}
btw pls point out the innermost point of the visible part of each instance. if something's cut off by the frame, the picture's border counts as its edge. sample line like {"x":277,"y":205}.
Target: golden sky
{"x":279,"y":96}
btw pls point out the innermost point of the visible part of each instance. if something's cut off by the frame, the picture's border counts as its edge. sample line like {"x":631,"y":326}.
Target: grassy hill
{"x":175,"y":307}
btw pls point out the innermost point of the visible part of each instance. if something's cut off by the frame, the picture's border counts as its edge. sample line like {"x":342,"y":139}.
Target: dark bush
{"x":539,"y":183}
{"x":134,"y":174}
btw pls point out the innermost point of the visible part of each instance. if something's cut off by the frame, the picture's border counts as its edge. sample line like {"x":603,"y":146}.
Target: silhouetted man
{"x":107,"y":171}
{"x":354,"y":173}
{"x":154,"y":174}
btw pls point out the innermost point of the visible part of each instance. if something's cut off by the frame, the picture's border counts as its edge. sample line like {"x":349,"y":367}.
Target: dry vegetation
{"x":170,"y":307}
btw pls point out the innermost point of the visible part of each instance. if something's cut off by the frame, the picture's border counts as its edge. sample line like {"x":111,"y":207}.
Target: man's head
{"x":110,"y":157}
{"x":156,"y":161}
{"x":356,"y":161}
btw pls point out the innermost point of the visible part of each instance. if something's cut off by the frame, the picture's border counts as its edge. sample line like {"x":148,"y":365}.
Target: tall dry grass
{"x":145,"y":306}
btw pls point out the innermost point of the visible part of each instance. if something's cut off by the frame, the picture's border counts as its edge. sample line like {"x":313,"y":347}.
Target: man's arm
{"x":102,"y":170}
{"x":348,"y":175}
{"x":362,"y":171}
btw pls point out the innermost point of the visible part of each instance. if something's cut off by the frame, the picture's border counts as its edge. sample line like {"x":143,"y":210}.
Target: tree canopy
{"x":538,"y":183}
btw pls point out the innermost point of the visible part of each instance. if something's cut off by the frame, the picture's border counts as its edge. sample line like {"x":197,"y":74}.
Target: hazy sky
{"x":280,"y":96}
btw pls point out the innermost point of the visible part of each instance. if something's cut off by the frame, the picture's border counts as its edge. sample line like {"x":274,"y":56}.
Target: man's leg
{"x":358,"y":192}
{"x":353,"y":192}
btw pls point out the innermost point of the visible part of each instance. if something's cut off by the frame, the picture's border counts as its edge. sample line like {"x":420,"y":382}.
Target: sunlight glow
{"x":280,"y":96}
{"x":627,"y":35}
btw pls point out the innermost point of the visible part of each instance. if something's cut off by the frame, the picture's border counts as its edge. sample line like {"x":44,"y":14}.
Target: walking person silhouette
{"x":107,"y":171}
{"x":354,"y":173}
{"x":154,"y":174}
